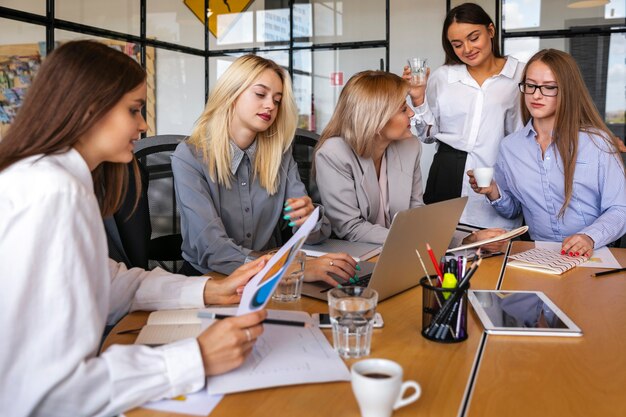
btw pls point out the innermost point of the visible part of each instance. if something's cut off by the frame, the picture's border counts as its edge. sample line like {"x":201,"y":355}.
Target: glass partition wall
{"x":185,"y":45}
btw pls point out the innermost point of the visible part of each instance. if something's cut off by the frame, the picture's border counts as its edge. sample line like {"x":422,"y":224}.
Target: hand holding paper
{"x":259,"y":289}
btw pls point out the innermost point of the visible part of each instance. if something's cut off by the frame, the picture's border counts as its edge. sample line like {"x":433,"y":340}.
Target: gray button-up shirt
{"x":221,"y":226}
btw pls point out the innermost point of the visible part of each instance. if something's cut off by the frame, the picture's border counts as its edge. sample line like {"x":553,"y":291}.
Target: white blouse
{"x":472,"y":118}
{"x":59,"y":289}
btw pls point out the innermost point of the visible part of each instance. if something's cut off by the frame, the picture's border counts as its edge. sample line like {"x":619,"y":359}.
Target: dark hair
{"x":467,"y":13}
{"x":76,"y":86}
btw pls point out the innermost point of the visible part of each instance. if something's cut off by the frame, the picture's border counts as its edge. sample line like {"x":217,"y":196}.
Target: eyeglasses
{"x":545,"y":90}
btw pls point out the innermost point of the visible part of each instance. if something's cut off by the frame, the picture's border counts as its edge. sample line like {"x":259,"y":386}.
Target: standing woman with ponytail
{"x":467,"y":107}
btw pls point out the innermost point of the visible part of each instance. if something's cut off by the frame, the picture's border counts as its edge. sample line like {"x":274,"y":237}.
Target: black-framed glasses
{"x":545,"y":90}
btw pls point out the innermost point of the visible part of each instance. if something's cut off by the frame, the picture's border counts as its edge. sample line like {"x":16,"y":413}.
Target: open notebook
{"x":544,"y":260}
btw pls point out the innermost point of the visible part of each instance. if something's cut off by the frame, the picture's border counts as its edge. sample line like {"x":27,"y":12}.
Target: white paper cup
{"x":378,"y":387}
{"x":483,"y":176}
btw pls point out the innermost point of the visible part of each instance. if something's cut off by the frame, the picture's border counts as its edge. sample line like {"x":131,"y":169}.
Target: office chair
{"x":304,"y":143}
{"x":153,"y":154}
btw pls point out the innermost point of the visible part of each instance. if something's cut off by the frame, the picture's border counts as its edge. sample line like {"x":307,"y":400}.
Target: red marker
{"x":434,"y":261}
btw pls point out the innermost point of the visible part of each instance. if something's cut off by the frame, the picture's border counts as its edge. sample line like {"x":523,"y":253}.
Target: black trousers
{"x":445,"y":178}
{"x":189,"y":270}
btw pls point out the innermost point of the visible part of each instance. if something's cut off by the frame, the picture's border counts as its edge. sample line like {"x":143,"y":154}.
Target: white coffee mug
{"x":378,"y":387}
{"x":483,"y":176}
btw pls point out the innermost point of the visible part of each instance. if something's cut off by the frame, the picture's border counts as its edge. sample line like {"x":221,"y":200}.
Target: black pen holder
{"x":444,"y":312}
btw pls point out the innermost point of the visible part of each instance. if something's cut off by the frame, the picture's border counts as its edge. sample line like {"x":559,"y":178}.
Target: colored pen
{"x":609,"y":272}
{"x":430,"y":281}
{"x":209,"y":315}
{"x":434,"y":261}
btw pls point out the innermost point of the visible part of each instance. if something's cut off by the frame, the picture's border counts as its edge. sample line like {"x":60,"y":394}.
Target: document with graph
{"x":284,"y":355}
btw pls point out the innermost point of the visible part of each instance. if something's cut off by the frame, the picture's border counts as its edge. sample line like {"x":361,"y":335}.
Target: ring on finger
{"x":248,"y":335}
{"x":331,"y":263}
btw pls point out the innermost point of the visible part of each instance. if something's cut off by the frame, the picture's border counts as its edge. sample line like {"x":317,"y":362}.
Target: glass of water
{"x":418,"y":70}
{"x":352,"y":312}
{"x":290,"y":286}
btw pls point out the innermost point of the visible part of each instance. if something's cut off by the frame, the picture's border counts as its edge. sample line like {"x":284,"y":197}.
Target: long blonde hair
{"x":211,"y":133}
{"x":575,"y":112}
{"x":367,"y":102}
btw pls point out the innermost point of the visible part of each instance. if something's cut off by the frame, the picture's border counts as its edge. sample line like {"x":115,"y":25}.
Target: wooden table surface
{"x":559,"y":376}
{"x":442,"y":370}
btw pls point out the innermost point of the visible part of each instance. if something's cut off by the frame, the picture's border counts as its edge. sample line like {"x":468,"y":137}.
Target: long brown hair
{"x":467,"y":13}
{"x":575,"y":112}
{"x":75,"y":87}
{"x":366,"y":103}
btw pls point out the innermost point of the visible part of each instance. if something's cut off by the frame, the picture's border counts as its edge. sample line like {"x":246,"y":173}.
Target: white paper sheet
{"x":197,"y":404}
{"x":259,"y":289}
{"x":601,"y":258}
{"x":284,"y":355}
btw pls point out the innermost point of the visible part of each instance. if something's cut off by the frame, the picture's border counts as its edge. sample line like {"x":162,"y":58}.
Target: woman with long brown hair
{"x":63,"y":166}
{"x":563,"y":169}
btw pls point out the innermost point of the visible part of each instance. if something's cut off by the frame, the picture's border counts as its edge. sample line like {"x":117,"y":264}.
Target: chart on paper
{"x":284,"y":355}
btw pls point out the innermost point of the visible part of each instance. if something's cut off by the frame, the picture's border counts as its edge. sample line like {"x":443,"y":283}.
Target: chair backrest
{"x":154,"y":154}
{"x":304,"y":143}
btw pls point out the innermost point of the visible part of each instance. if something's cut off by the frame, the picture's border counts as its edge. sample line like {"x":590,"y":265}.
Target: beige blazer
{"x":348,"y":186}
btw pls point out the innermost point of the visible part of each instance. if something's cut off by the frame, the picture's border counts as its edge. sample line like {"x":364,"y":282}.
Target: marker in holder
{"x":444,"y":312}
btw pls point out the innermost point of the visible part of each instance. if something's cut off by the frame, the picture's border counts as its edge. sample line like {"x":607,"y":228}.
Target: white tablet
{"x":524,"y":313}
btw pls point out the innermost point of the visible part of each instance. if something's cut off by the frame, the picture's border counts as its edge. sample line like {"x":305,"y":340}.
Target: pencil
{"x":609,"y":272}
{"x":434,"y":261}
{"x":427,"y":276}
{"x":209,"y":315}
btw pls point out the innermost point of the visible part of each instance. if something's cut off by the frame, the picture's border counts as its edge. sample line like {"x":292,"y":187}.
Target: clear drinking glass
{"x":418,"y":70}
{"x":352,"y":312}
{"x":290,"y":286}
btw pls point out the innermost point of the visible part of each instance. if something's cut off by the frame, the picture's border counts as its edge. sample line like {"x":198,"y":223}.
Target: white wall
{"x":415,"y":29}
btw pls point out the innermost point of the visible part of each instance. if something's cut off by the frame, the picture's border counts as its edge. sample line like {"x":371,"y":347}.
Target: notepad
{"x":167,"y":326}
{"x":545,"y":261}
{"x":504,"y":236}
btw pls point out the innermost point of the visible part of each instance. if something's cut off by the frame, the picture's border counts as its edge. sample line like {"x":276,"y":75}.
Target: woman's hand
{"x":340,"y":264}
{"x":479,"y":235}
{"x":578,"y":245}
{"x":229,"y":290}
{"x":491,"y":192}
{"x":416,"y":92}
{"x":297,"y":210}
{"x":227,"y":343}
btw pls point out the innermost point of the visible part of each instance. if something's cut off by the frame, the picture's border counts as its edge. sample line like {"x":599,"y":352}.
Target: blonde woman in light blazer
{"x":367,"y":162}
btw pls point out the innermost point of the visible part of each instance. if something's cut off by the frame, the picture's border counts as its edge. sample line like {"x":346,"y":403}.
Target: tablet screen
{"x":518,"y":310}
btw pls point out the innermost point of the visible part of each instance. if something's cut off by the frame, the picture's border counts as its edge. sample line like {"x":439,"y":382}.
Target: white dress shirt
{"x":472,"y":118}
{"x":59,"y":289}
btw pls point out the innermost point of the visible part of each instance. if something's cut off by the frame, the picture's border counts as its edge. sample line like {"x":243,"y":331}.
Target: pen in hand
{"x":209,"y":315}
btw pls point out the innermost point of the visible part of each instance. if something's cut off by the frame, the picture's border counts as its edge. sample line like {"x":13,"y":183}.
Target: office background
{"x":321,"y":42}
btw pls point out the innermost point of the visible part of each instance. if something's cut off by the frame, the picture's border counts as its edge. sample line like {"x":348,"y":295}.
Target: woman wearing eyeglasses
{"x":563,"y":169}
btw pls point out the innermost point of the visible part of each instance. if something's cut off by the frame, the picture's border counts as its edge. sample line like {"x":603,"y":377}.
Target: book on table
{"x":544,"y":260}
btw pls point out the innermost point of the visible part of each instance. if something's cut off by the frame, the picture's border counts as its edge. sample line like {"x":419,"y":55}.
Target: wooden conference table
{"x":482,"y":376}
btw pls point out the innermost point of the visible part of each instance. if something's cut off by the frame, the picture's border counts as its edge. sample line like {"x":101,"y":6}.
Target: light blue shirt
{"x":534,"y":185}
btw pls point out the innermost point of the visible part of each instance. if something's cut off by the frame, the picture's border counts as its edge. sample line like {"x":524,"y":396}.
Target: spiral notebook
{"x":544,"y":260}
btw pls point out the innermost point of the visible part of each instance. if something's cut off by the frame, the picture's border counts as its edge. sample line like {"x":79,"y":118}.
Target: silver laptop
{"x":398,"y":267}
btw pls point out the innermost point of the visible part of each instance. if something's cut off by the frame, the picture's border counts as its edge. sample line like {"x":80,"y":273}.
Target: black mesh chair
{"x":304,"y":143}
{"x":153,"y":153}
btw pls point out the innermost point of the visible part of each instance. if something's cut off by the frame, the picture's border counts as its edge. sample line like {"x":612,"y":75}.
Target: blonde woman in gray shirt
{"x":236,"y":178}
